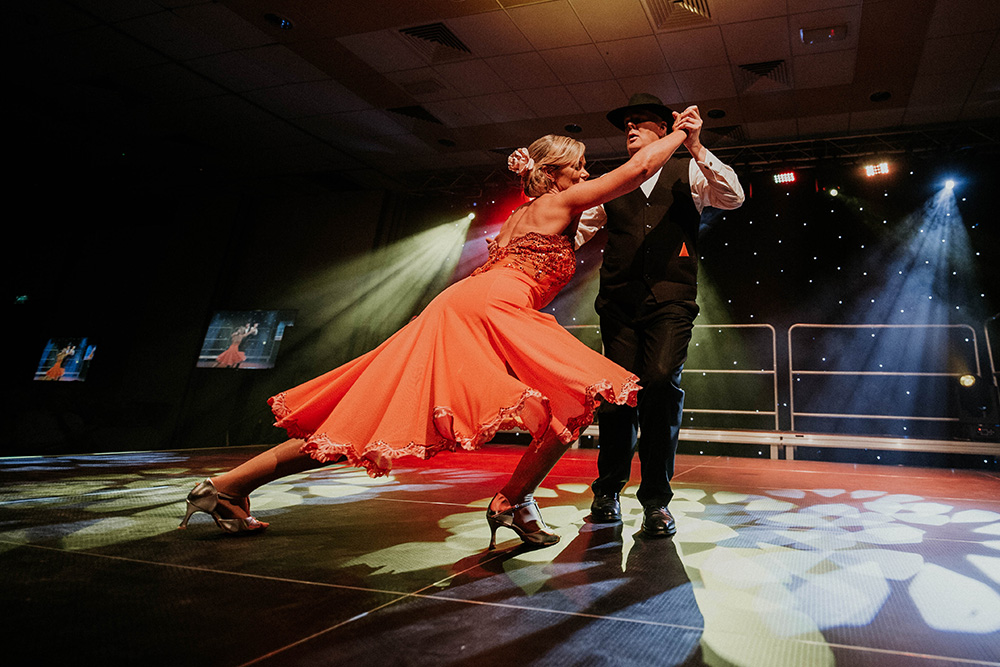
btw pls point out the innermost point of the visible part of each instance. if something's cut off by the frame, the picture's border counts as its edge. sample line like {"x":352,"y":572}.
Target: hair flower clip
{"x":519,"y":162}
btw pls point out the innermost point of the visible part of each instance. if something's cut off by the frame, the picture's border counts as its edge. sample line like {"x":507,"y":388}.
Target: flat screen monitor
{"x":244,"y":339}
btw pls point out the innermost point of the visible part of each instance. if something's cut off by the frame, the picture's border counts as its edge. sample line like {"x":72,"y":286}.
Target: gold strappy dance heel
{"x":516,"y":517}
{"x":205,"y":498}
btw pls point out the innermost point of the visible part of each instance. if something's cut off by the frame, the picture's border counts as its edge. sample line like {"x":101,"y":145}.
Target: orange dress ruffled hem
{"x":479,"y":358}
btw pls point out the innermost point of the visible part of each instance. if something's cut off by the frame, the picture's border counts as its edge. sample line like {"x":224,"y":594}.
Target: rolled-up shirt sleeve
{"x":590,"y":223}
{"x":715,"y":184}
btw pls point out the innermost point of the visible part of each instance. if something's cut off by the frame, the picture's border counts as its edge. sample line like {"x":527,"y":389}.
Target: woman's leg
{"x":515,"y":506}
{"x":533,"y":467}
{"x":279,"y":461}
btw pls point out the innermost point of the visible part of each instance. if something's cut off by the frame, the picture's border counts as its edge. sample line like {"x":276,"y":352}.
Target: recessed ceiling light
{"x":574,"y":128}
{"x":446,"y":142}
{"x":880,"y":96}
{"x":716,"y":113}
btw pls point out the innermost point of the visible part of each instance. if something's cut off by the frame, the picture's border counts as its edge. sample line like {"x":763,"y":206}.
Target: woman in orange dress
{"x":480,"y":356}
{"x":56,"y":371}
{"x":232,"y":357}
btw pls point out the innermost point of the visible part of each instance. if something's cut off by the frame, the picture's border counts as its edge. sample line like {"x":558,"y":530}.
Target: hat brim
{"x":617,"y":116}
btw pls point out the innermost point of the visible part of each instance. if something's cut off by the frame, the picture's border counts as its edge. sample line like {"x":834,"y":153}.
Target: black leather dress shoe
{"x":657,"y":522}
{"x":606,"y":508}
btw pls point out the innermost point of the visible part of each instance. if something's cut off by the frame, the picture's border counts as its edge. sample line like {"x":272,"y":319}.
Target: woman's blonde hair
{"x":550,"y":153}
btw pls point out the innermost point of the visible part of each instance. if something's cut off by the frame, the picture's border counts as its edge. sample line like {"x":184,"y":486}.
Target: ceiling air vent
{"x":435,"y":42}
{"x":669,"y":14}
{"x":763,"y":77}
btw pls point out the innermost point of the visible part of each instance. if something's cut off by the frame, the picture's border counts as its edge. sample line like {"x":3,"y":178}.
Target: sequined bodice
{"x":547,"y":258}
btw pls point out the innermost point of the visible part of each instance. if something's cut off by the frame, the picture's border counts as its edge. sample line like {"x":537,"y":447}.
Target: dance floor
{"x":774,"y":563}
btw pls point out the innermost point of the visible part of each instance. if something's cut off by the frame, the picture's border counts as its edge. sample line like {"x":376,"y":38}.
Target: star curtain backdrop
{"x":832,"y":247}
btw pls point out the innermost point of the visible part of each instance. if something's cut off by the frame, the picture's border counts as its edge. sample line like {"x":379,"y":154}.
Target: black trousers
{"x":651,"y":340}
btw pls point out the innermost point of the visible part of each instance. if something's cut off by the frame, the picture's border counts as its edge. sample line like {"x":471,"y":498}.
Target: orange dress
{"x":472,"y":362}
{"x":56,"y":371}
{"x":232,"y":355}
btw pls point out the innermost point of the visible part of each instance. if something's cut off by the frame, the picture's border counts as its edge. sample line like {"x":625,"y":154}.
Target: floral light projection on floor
{"x":794,"y":563}
{"x":770,"y":572}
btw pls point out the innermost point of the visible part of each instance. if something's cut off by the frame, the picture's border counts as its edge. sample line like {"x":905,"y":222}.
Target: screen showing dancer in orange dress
{"x":244,"y":338}
{"x":65,"y":360}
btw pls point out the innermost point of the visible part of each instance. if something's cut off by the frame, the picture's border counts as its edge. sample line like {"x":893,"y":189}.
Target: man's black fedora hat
{"x":640,"y":102}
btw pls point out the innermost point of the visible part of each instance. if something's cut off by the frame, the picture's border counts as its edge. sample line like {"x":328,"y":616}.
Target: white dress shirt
{"x":713,"y":183}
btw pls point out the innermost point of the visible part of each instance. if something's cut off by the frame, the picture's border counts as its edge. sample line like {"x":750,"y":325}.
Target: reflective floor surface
{"x":775,"y":563}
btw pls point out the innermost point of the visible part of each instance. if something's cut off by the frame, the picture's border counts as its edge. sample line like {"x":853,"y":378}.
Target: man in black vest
{"x":647,"y":303}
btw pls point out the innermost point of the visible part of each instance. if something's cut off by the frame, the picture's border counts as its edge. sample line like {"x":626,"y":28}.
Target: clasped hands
{"x":690,"y":121}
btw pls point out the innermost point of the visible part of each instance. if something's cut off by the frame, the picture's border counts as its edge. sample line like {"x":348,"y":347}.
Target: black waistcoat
{"x":652,"y":243}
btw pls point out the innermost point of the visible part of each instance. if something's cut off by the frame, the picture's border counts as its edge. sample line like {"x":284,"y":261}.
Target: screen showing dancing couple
{"x":244,"y":339}
{"x":65,"y":360}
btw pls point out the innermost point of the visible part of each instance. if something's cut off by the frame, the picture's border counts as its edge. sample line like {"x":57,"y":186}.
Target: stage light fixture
{"x":967,"y":380}
{"x":785,"y":177}
{"x":472,"y":216}
{"x":876,"y":169}
{"x":949,"y":184}
{"x":834,"y":192}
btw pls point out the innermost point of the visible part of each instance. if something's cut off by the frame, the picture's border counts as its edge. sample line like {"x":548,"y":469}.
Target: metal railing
{"x":793,"y":372}
{"x":785,"y":441}
{"x":773,"y":372}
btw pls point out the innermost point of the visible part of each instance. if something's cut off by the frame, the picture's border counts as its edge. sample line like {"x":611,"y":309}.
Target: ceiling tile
{"x":82,"y":53}
{"x":236,"y":71}
{"x":576,"y":64}
{"x":877,"y":119}
{"x":927,"y":115}
{"x":933,"y":89}
{"x":733,"y":11}
{"x":171,"y":82}
{"x":308,"y":99}
{"x":503,"y":107}
{"x":423,"y":84}
{"x":173,"y":36}
{"x":691,"y":49}
{"x":662,"y":85}
{"x":607,"y":21}
{"x":633,"y":57}
{"x":833,"y":68}
{"x":826,"y":124}
{"x":548,"y":102}
{"x":802,"y":6}
{"x":284,"y":62}
{"x":988,"y":82}
{"x":457,"y":113}
{"x":598,"y":96}
{"x":108,"y":10}
{"x":550,"y":25}
{"x":757,"y":41}
{"x":770,"y":130}
{"x":955,"y":53}
{"x":370,"y":123}
{"x":523,"y":70}
{"x":471,"y":77}
{"x":383,"y":51}
{"x":956,"y":17}
{"x":489,"y":34}
{"x":977,"y":109}
{"x":231,"y":29}
{"x":706,"y":83}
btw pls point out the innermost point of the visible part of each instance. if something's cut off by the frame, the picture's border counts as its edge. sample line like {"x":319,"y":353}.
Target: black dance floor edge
{"x":775,"y":563}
